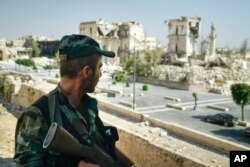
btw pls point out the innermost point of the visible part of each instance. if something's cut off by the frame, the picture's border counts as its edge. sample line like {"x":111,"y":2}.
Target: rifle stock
{"x":61,"y":141}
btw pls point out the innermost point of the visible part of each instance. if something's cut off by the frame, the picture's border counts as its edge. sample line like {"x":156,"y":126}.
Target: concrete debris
{"x":214,"y":79}
{"x":154,"y":130}
{"x":146,"y":123}
{"x":163,"y":134}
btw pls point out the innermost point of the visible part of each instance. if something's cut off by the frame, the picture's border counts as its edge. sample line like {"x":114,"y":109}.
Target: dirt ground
{"x":7,"y":132}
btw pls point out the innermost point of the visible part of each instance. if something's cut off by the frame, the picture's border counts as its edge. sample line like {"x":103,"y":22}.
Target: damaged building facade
{"x":132,"y":39}
{"x":124,"y":38}
{"x":183,"y":35}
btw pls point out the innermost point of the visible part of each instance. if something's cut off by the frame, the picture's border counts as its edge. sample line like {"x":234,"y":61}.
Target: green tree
{"x":241,"y":95}
{"x":195,"y":96}
{"x":26,"y":62}
{"x":153,"y":59}
{"x":48,"y":67}
{"x":129,"y":65}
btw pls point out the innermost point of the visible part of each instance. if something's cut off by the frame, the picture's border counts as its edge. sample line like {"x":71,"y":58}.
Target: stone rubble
{"x":214,"y":79}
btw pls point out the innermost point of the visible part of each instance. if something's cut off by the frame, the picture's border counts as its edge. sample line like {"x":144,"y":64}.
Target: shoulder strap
{"x":54,"y":111}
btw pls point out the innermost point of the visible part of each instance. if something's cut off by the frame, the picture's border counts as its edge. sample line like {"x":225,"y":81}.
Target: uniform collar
{"x":89,"y":101}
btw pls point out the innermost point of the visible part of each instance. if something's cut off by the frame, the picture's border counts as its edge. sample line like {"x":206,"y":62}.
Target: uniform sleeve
{"x":29,"y":135}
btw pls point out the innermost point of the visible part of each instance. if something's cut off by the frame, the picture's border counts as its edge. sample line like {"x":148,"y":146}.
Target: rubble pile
{"x":216,"y":79}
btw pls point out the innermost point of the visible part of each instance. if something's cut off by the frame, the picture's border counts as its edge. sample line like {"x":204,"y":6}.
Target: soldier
{"x":68,"y":105}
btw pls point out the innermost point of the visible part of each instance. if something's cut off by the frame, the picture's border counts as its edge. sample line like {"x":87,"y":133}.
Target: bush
{"x":113,"y":82}
{"x":57,"y":76}
{"x":145,"y":87}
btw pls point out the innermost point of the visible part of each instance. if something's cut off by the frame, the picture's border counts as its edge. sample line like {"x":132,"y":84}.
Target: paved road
{"x":153,"y":103}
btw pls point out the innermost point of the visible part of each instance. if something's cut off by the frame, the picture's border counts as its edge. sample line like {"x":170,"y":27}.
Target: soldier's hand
{"x":85,"y":164}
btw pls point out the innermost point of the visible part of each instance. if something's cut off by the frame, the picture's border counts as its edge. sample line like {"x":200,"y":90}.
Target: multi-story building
{"x":183,"y":34}
{"x":132,"y":39}
{"x":106,"y":33}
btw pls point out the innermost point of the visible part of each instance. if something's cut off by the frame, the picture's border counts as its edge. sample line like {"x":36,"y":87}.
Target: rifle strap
{"x":55,"y":113}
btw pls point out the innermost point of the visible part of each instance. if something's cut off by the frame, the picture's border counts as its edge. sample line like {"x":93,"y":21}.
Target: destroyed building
{"x":132,"y":38}
{"x":183,"y":34}
{"x":124,"y":38}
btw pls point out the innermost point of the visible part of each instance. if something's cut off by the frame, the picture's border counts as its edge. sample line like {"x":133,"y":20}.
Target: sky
{"x":55,"y":18}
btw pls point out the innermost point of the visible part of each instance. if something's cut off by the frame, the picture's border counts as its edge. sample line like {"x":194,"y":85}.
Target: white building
{"x":132,"y":38}
{"x":183,"y":34}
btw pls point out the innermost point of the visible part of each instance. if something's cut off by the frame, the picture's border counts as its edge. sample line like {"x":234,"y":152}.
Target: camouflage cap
{"x":79,"y":46}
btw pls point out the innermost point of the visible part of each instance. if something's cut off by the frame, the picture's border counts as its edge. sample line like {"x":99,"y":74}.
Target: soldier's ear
{"x":86,"y":71}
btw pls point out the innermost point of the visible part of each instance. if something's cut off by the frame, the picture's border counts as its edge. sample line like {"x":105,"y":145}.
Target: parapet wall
{"x":26,"y":96}
{"x":146,"y":154}
{"x":165,"y":83}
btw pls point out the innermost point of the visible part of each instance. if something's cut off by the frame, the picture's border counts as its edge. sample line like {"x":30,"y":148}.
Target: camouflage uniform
{"x":33,"y":125}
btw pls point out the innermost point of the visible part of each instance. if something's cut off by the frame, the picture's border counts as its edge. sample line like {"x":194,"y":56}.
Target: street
{"x":153,"y":103}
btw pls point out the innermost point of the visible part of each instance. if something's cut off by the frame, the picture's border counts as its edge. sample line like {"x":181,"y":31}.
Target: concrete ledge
{"x":153,"y":156}
{"x":172,"y":98}
{"x":243,"y":123}
{"x":118,"y":109}
{"x":126,"y":103}
{"x":199,"y":137}
{"x":176,"y":107}
{"x":143,"y":151}
{"x":218,"y":108}
{"x":103,"y":90}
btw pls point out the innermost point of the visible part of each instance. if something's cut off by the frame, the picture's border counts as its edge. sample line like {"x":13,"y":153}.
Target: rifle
{"x":61,"y":141}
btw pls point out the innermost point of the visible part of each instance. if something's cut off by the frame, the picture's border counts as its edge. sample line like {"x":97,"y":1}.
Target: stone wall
{"x":156,"y":156}
{"x":165,"y":83}
{"x":26,"y":96}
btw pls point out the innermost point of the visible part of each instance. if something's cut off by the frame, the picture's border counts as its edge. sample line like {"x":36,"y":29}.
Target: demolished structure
{"x":124,"y":38}
{"x":183,"y":34}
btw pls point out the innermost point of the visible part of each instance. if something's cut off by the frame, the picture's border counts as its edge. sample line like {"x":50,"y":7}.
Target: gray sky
{"x":55,"y":18}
